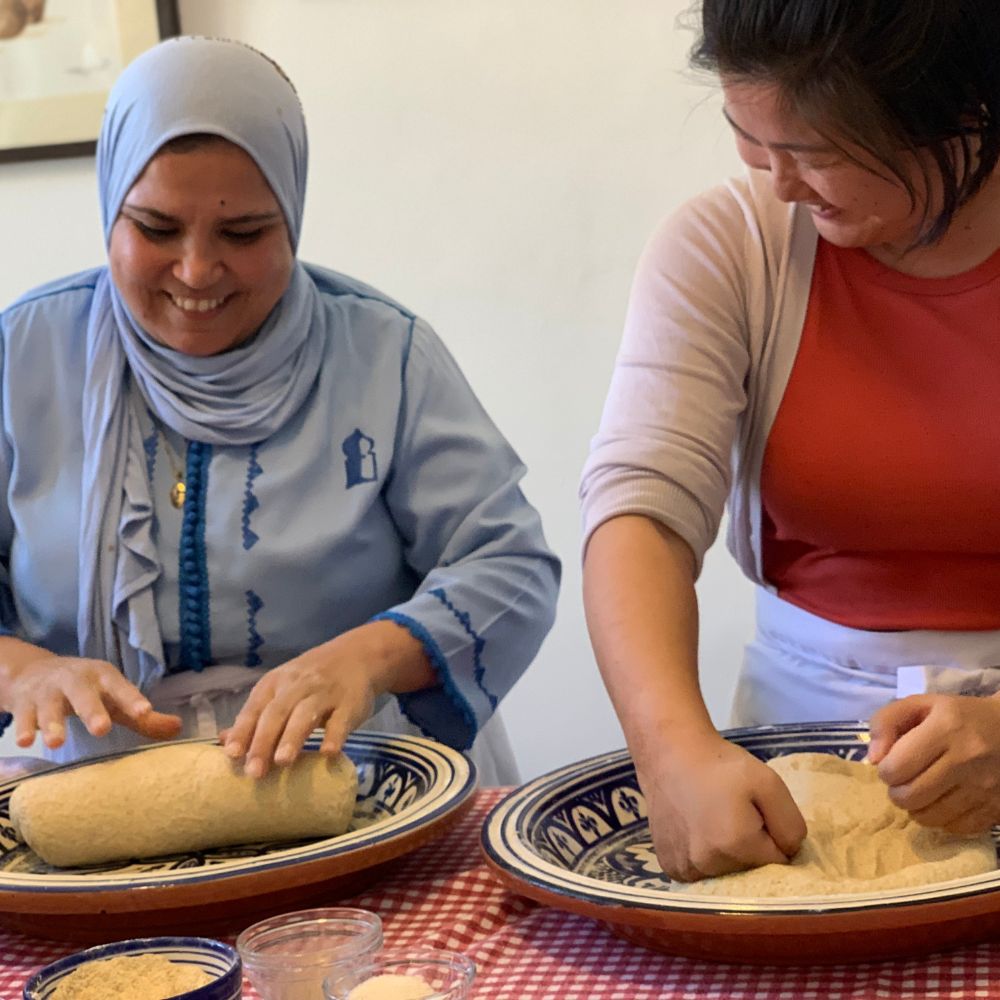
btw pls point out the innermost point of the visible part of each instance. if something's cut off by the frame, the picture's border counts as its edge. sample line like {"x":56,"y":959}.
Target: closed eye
{"x":820,"y":162}
{"x":245,"y":236}
{"x":155,"y":233}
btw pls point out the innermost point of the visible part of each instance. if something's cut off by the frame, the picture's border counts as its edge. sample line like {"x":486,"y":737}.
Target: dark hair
{"x":889,"y":76}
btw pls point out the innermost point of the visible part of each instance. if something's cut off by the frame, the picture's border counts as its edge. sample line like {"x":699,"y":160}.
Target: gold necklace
{"x":179,"y":489}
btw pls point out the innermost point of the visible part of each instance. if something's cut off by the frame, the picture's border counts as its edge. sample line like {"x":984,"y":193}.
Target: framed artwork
{"x":59,"y":59}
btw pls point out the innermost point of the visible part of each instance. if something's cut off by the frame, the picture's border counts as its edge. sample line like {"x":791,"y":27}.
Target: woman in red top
{"x":870,"y":514}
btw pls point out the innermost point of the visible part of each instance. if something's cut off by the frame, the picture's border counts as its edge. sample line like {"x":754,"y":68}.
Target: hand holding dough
{"x":858,"y":841}
{"x":940,"y":756}
{"x":178,"y":798}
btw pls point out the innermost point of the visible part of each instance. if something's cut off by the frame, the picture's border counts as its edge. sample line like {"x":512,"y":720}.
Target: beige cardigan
{"x":712,"y":330}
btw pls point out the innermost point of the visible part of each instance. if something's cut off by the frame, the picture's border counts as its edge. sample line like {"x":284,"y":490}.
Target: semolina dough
{"x":857,"y":841}
{"x":178,"y":798}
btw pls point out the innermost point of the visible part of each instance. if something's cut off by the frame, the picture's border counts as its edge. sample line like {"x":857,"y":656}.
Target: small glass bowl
{"x":448,"y":973}
{"x":288,"y":956}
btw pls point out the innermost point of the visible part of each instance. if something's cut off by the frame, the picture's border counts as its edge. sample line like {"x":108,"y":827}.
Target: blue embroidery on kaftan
{"x":196,"y":636}
{"x":478,"y":642}
{"x":360,"y":462}
{"x":439,"y":664}
{"x":250,"y":501}
{"x":151,"y":445}
{"x":254,"y":604}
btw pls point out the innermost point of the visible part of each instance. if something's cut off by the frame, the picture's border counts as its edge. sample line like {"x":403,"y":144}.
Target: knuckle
{"x":900,"y":795}
{"x":711,"y":860}
{"x":949,"y":711}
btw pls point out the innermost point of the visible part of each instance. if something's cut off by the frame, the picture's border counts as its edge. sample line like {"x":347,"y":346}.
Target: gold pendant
{"x":177,"y":493}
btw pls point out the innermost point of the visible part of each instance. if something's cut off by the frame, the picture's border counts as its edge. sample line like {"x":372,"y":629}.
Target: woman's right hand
{"x":714,"y":809}
{"x":41,"y":689}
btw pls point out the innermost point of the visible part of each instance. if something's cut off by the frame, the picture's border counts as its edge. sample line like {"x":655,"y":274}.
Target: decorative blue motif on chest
{"x":193,"y":583}
{"x":150,"y":445}
{"x":254,"y":604}
{"x":360,"y":462}
{"x":250,"y":501}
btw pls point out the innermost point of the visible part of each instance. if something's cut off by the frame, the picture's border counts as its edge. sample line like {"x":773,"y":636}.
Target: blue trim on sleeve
{"x":439,"y":663}
{"x":478,"y":642}
{"x":5,"y":720}
{"x":196,"y":636}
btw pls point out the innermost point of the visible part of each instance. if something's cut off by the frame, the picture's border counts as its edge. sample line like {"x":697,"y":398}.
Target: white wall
{"x":496,"y":165}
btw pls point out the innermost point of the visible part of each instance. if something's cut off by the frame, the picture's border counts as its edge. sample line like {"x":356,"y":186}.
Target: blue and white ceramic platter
{"x":217,"y":959}
{"x":581,"y":832}
{"x":405,"y":783}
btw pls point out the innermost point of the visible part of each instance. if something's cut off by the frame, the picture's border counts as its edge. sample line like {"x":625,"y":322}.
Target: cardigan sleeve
{"x":488,"y":582}
{"x":679,"y":386}
{"x":8,"y":614}
{"x":8,"y":611}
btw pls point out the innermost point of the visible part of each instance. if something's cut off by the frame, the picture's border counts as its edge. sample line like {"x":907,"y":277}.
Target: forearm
{"x":642,"y":614}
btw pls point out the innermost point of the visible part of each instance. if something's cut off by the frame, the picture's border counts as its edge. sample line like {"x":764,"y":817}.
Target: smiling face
{"x":853,"y":204}
{"x":200,"y":250}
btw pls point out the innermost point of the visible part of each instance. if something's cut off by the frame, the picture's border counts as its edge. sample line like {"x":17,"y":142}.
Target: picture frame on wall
{"x":58,"y":61}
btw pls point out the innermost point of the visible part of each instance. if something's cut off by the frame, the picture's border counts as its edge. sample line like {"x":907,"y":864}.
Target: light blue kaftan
{"x":389,"y":493}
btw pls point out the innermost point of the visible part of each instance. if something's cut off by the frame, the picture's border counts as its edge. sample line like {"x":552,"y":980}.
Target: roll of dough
{"x":178,"y":798}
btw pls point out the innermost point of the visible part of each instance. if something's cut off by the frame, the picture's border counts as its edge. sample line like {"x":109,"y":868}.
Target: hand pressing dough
{"x":178,"y":798}
{"x":858,"y":841}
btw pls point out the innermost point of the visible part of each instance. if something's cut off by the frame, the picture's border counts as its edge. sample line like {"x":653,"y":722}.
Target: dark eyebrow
{"x":791,"y":147}
{"x":236,"y":220}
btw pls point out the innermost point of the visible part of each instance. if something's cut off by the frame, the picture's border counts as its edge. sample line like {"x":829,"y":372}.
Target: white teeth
{"x":196,"y":305}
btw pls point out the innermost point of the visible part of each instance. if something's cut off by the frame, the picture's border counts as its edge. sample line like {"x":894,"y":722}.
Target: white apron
{"x":802,"y":668}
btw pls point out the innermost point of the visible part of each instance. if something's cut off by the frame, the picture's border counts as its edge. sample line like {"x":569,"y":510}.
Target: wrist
{"x":394,"y":661}
{"x":657,"y":742}
{"x":15,"y":655}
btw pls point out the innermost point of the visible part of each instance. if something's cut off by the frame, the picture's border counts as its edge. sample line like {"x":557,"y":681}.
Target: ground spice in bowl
{"x":138,"y":977}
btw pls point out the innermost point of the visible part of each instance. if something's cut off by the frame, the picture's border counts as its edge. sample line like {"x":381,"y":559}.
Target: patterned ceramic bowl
{"x":213,"y":957}
{"x":410,"y":790}
{"x":578,"y":839}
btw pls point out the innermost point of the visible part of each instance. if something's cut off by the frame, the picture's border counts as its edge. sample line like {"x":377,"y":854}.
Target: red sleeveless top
{"x":881,"y":477}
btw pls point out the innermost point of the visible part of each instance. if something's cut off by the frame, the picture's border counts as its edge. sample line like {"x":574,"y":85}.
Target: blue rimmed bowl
{"x":578,"y":839}
{"x":213,"y":957}
{"x":410,"y":791}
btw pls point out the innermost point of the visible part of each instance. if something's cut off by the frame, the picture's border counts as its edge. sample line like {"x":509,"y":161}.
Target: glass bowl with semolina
{"x":184,"y":968}
{"x":403,"y":974}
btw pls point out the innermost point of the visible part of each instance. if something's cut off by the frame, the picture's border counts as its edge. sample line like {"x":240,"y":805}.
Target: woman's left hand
{"x":333,"y":685}
{"x":940,"y":756}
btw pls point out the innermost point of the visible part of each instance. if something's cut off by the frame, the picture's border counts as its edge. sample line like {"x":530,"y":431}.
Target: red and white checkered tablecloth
{"x":445,"y":895}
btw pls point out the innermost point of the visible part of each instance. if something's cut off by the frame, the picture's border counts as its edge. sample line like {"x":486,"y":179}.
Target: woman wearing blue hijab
{"x":255,"y":495}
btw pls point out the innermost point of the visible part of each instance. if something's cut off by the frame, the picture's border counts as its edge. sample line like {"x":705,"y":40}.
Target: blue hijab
{"x":180,"y":87}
